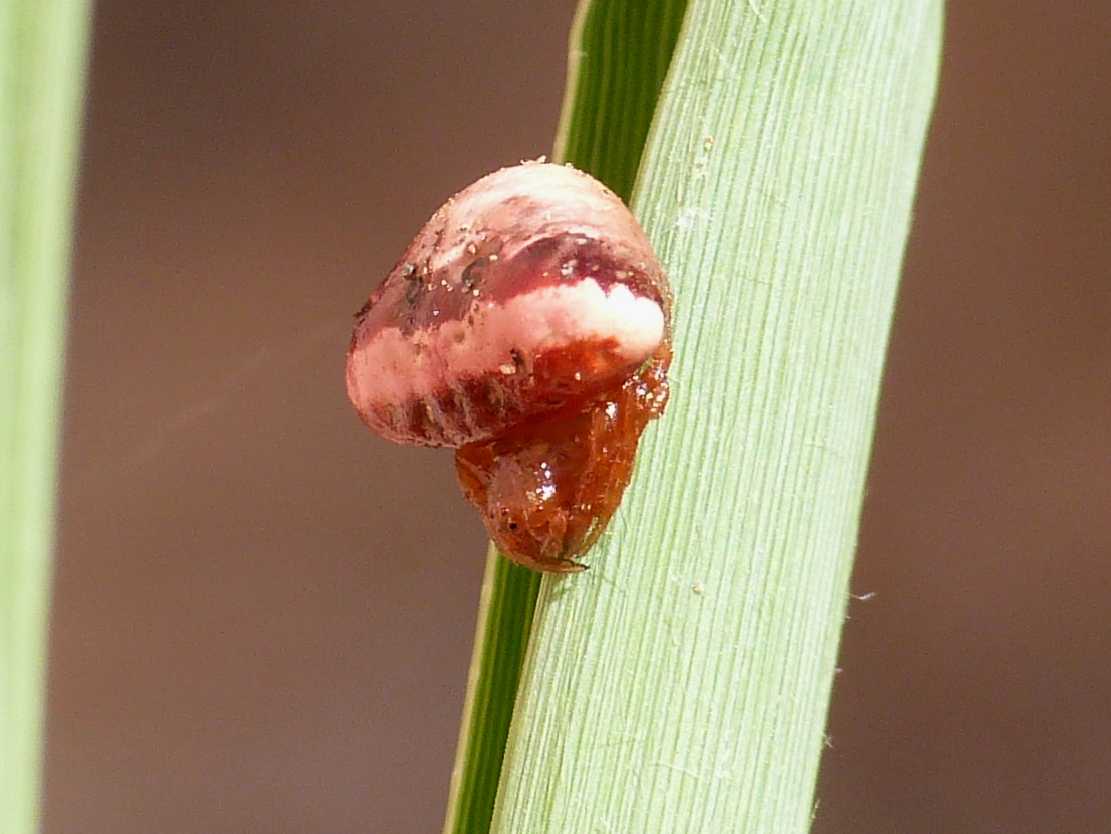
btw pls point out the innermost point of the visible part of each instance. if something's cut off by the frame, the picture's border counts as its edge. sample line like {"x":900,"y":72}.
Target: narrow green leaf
{"x":619,"y":54}
{"x":501,"y":635}
{"x":42,"y":54}
{"x":682,"y":683}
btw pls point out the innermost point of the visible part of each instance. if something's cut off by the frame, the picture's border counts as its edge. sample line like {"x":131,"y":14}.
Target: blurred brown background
{"x":263,"y":614}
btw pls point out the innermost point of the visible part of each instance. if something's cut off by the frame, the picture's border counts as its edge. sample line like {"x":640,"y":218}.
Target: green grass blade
{"x":42,"y":56}
{"x":619,"y":53}
{"x":618,"y":57}
{"x":501,"y":636}
{"x":682,"y":683}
